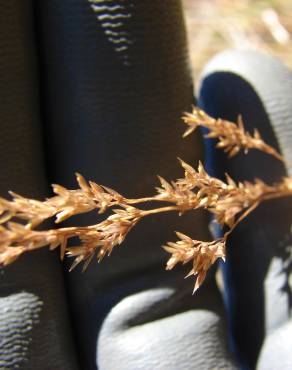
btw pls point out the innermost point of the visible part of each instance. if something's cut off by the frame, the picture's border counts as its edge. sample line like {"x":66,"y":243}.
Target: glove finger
{"x":165,"y":329}
{"x":34,"y":328}
{"x":256,"y":276}
{"x":277,"y":342}
{"x":112,"y":113}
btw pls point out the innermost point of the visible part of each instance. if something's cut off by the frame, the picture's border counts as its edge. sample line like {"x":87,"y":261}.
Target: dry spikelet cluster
{"x":231,"y":137}
{"x":228,"y":201}
{"x":202,"y":255}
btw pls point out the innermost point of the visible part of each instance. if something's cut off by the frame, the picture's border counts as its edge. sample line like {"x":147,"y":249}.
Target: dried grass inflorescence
{"x":228,"y":201}
{"x":202,"y":255}
{"x":232,"y":137}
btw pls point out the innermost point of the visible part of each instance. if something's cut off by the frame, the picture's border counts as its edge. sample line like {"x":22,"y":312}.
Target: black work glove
{"x":112,"y":112}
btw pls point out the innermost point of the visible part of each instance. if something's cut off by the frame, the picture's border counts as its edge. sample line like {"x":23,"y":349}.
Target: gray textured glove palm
{"x":73,"y":101}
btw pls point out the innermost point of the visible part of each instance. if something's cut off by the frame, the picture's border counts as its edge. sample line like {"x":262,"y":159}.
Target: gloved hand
{"x":108,"y":105}
{"x":258,"y":267}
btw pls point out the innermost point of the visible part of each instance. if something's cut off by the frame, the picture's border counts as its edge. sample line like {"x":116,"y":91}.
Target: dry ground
{"x":215,"y":25}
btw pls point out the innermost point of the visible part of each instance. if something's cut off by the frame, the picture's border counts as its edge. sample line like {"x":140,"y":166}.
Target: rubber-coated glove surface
{"x":258,"y":268}
{"x":35,"y":332}
{"x":107,"y":105}
{"x":113,"y":115}
{"x":111,"y":110}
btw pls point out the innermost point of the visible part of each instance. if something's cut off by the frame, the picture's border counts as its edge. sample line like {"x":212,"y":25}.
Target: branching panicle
{"x":228,"y":201}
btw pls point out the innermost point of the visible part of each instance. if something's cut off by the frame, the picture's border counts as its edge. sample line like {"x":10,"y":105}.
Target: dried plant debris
{"x":228,"y":201}
{"x":231,"y":137}
{"x":201,"y":254}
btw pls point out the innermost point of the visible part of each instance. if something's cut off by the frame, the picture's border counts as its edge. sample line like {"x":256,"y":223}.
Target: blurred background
{"x":215,"y":25}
